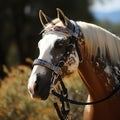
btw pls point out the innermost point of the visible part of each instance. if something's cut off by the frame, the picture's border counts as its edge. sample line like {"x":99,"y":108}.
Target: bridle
{"x":62,"y":93}
{"x":73,"y":37}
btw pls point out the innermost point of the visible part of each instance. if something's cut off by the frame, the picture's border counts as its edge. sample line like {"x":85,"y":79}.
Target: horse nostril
{"x":36,"y":88}
{"x":38,"y":76}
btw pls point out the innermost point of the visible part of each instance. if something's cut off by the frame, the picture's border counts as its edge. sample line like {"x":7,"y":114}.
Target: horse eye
{"x":59,"y":44}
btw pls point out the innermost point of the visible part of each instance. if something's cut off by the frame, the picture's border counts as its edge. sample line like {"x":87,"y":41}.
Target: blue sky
{"x":106,"y":6}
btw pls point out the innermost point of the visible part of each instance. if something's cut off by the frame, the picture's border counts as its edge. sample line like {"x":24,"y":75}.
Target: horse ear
{"x":61,"y":16}
{"x":64,"y":19}
{"x":43,"y":18}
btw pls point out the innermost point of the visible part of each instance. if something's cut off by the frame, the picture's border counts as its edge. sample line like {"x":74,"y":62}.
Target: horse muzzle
{"x":39,"y":85}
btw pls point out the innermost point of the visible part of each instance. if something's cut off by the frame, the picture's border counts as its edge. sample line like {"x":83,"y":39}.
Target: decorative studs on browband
{"x":58,"y":29}
{"x":76,"y":32}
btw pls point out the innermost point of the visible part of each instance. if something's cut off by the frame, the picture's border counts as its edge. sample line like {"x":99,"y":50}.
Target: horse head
{"x":57,"y":54}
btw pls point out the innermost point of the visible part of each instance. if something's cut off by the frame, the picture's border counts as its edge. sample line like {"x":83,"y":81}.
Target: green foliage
{"x":16,"y":103}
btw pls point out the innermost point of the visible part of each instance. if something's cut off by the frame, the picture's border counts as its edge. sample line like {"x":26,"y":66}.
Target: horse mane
{"x":99,"y":40}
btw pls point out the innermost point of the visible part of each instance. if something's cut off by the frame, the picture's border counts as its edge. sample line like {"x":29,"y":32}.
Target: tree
{"x":20,"y":25}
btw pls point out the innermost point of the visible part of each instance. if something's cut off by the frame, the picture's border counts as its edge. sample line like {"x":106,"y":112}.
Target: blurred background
{"x":20,"y":26}
{"x":19,"y":35}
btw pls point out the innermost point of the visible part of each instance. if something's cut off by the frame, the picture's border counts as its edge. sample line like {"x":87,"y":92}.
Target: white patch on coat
{"x":108,"y":70}
{"x":46,"y":44}
{"x":117,"y":71}
{"x":72,"y":62}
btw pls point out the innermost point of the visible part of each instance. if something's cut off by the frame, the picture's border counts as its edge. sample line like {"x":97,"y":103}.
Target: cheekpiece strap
{"x":77,"y":30}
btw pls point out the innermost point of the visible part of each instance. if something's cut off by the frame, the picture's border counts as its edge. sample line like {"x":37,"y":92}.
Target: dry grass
{"x":16,"y":104}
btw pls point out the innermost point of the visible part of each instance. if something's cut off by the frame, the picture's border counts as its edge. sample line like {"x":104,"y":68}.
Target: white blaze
{"x":46,"y":44}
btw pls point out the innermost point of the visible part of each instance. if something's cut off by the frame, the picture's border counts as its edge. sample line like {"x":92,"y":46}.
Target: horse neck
{"x":98,"y":87}
{"x":95,"y":78}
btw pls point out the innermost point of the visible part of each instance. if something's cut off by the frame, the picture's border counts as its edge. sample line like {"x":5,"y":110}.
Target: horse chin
{"x":42,"y":92}
{"x":40,"y":97}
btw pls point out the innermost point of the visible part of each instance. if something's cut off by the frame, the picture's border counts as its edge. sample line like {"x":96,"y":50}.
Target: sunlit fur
{"x":97,"y":37}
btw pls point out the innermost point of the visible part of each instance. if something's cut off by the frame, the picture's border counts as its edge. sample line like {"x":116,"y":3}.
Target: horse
{"x":96,"y":57}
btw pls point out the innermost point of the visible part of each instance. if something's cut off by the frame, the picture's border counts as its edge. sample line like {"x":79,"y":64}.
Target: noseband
{"x":50,"y":66}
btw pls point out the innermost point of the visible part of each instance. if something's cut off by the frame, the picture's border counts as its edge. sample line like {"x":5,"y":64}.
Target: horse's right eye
{"x":59,"y":44}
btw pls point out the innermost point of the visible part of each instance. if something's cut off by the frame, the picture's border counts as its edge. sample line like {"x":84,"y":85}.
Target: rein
{"x":86,"y":103}
{"x":63,"y":111}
